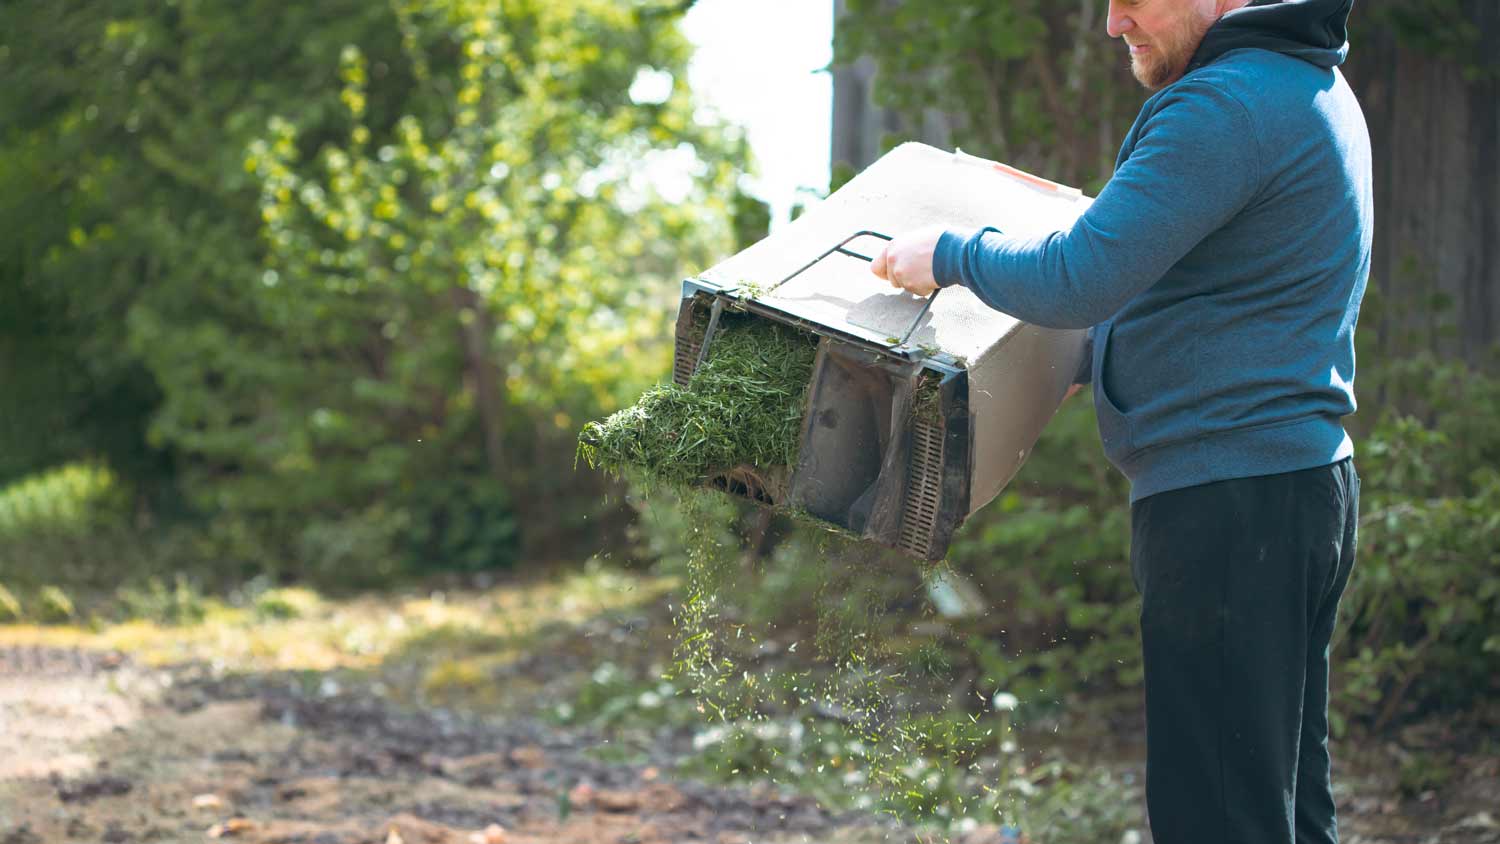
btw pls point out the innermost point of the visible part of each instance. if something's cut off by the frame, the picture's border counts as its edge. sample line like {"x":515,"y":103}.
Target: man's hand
{"x":906,"y":262}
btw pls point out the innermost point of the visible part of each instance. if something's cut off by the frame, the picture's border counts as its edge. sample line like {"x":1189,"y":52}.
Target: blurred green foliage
{"x":1449,"y":29}
{"x":1040,"y":85}
{"x":1419,"y":616}
{"x":343,"y":279}
{"x":1034,"y":83}
{"x":1051,"y":559}
{"x":1031,"y":83}
{"x":72,"y":499}
{"x":1417,"y":631}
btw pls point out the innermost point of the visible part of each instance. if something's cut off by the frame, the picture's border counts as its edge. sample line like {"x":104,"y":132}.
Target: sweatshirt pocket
{"x":1114,"y":426}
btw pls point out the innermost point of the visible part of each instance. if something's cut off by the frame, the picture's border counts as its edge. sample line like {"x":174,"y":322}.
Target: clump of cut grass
{"x":927,"y":402}
{"x":744,"y":405}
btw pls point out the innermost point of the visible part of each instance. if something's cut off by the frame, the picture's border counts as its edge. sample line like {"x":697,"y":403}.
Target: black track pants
{"x":1240,"y":583}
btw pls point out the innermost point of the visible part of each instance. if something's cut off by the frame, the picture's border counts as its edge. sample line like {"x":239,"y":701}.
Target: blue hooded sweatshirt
{"x":1223,"y":265}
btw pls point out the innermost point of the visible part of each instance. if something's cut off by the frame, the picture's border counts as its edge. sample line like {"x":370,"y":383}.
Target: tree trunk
{"x":476,"y":326}
{"x":1437,"y":191}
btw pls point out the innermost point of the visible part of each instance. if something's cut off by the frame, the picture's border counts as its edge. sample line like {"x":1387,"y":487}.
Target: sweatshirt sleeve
{"x":1194,"y":166}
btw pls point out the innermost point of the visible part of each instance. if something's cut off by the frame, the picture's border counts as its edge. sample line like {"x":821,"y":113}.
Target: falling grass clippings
{"x":744,"y":407}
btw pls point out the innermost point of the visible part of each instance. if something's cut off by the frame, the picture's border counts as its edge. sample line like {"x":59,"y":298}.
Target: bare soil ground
{"x":101,"y":749}
{"x":309,"y":730}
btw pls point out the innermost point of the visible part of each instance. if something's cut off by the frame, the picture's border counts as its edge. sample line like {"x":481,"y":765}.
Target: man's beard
{"x":1169,"y":56}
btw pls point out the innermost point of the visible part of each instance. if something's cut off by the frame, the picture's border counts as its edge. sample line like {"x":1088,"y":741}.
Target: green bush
{"x":10,"y":606}
{"x":66,"y":527}
{"x":1418,"y":622}
{"x":465,"y":524}
{"x":69,"y":500}
{"x":54,"y":606}
{"x":356,"y":309}
{"x":182,"y":602}
{"x":283,"y":604}
{"x":1051,"y":557}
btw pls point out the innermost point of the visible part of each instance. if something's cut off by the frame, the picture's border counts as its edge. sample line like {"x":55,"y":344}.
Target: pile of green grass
{"x":744,"y":405}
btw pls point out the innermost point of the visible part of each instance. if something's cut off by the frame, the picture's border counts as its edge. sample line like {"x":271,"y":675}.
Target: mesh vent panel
{"x":924,"y":487}
{"x":689,"y":344}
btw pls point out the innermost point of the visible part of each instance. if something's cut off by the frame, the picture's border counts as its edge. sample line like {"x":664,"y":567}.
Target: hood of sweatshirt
{"x":1316,"y":31}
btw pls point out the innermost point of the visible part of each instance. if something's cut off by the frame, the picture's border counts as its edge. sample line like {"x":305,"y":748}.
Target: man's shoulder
{"x":1250,"y":89}
{"x":1261,"y":78}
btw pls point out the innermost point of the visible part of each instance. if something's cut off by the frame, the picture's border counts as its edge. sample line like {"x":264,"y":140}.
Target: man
{"x":1221,"y":271}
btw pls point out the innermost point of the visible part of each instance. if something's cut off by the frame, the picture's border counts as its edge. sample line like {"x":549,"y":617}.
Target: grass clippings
{"x":744,"y":405}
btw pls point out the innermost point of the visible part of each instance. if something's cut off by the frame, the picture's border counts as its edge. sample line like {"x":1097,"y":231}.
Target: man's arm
{"x":1195,"y":165}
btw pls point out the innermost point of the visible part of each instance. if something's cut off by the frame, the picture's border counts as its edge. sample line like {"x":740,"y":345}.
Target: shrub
{"x":180,"y":603}
{"x":464,"y":523}
{"x":10,"y":606}
{"x":283,"y":604}
{"x":1051,"y":556}
{"x":1418,"y":620}
{"x":69,"y":500}
{"x":54,"y":606}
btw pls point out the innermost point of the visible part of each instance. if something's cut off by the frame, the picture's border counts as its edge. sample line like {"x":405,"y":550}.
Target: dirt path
{"x":100,"y":749}
{"x":97,"y":747}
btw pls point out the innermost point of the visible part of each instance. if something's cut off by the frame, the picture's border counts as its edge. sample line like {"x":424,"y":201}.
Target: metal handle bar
{"x":926,"y":306}
{"x":840,"y":248}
